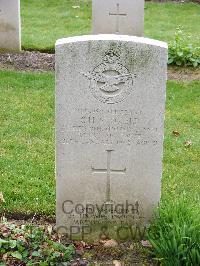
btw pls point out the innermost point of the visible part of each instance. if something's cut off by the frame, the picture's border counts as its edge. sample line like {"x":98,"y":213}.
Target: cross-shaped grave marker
{"x":117,"y":14}
{"x":108,"y":171}
{"x":124,"y":17}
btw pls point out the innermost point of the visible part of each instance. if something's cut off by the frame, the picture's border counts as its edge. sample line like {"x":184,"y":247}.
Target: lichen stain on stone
{"x":5,"y":27}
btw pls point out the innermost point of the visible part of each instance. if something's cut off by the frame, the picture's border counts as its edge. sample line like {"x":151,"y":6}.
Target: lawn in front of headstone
{"x":27,"y":159}
{"x":43,"y":22}
{"x":27,"y":143}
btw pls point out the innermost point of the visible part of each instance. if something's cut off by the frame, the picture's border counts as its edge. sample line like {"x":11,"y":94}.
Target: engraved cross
{"x":108,"y":171}
{"x":118,"y":14}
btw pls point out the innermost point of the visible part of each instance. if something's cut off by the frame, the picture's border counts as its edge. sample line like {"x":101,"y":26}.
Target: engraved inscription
{"x":109,"y":127}
{"x":108,"y":171}
{"x":110,"y":81}
{"x":118,"y":15}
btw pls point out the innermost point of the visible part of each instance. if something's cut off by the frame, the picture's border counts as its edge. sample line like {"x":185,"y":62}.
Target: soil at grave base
{"x":43,"y":62}
{"x":124,"y":254}
{"x":27,"y":61}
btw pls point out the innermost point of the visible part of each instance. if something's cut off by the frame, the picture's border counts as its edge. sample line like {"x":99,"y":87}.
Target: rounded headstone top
{"x":111,"y":37}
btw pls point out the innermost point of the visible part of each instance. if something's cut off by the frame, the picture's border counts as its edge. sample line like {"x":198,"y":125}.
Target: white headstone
{"x":10,"y":27}
{"x":118,"y":17}
{"x":110,"y":103}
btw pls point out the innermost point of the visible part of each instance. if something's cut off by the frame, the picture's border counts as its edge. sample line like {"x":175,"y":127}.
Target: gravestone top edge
{"x":111,"y":37}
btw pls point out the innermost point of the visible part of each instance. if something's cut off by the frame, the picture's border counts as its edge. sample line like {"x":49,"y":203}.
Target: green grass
{"x":175,"y":234}
{"x":27,"y":143}
{"x":27,"y":160}
{"x":161,"y":20}
{"x":181,"y":164}
{"x":43,"y":22}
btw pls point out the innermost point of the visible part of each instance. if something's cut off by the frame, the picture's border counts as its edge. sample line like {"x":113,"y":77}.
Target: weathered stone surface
{"x":118,"y":16}
{"x":10,"y":27}
{"x":110,"y":102}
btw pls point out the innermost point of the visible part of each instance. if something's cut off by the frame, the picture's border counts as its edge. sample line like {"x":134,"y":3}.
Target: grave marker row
{"x":109,"y":16}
